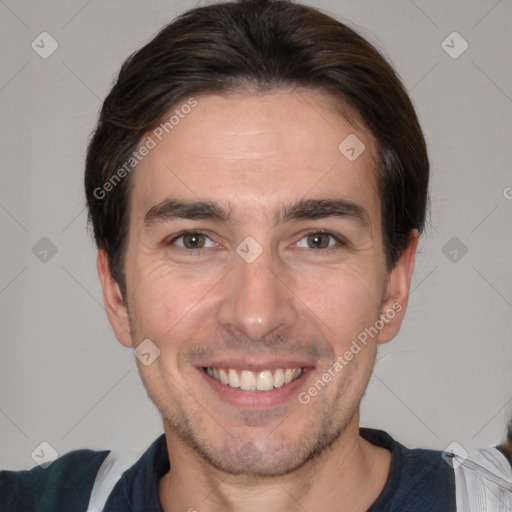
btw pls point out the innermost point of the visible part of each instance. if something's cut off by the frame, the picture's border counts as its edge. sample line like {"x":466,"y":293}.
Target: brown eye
{"x":323,"y":240}
{"x":319,"y":240}
{"x":192,"y":240}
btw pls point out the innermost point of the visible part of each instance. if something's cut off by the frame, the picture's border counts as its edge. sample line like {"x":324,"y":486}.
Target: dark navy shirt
{"x":420,"y":480}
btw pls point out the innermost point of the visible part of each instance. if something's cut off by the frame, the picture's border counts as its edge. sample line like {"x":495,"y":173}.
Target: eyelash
{"x":341,"y":242}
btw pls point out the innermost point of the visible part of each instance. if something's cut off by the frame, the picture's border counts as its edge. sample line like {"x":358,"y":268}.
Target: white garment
{"x":109,"y":473}
{"x":483,"y":481}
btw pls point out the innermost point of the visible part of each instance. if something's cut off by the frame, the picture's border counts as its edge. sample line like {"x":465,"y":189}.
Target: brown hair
{"x":256,"y":45}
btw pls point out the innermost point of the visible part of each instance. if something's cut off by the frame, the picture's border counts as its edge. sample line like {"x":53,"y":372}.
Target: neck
{"x":349,"y":475}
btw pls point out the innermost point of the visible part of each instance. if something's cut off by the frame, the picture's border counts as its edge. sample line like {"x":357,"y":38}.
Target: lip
{"x":257,"y":399}
{"x":247,"y":364}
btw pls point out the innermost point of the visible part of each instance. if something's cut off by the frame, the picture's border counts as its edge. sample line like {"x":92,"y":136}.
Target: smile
{"x":247,"y":380}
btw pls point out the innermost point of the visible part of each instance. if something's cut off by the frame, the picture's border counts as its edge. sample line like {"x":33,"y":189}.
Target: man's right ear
{"x":117,"y":312}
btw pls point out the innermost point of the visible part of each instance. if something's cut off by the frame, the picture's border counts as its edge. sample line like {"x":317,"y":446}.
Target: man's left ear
{"x":397,"y":294}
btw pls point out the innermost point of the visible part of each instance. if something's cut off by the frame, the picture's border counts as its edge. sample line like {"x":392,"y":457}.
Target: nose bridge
{"x":258,"y":300}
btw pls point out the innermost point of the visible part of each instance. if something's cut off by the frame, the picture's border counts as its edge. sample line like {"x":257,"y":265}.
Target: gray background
{"x":65,"y":379}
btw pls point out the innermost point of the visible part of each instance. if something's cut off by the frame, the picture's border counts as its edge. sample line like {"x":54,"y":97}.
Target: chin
{"x":261,"y":458}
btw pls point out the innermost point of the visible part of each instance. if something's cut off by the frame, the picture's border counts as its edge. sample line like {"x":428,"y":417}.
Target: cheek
{"x":161,"y":299}
{"x":346,"y":301}
{"x":174,"y":306}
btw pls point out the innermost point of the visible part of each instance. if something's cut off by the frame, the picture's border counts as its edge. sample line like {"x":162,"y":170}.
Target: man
{"x":257,"y":184}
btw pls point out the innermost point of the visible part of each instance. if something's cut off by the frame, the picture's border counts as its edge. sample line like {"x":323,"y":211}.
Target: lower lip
{"x":257,"y":399}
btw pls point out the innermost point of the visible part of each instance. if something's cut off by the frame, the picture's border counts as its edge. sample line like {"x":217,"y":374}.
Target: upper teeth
{"x":247,"y":380}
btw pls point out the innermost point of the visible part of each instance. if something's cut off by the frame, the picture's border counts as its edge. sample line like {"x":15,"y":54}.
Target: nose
{"x":258,"y":298}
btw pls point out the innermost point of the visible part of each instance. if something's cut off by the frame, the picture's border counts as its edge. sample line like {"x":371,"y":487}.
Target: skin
{"x":252,"y":152}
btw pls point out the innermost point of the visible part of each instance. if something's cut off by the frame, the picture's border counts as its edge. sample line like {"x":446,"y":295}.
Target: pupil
{"x":193,"y":240}
{"x":317,"y":240}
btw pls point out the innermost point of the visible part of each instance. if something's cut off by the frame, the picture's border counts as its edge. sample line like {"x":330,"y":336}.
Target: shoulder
{"x":427,"y":481}
{"x":136,"y":488}
{"x":65,"y":484}
{"x":420,"y":479}
{"x":484,"y":480}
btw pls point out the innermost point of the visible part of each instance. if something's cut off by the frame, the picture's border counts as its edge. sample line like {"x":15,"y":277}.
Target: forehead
{"x":253,"y":151}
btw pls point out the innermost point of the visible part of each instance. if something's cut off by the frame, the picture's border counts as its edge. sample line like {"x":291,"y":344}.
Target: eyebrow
{"x":170,"y":209}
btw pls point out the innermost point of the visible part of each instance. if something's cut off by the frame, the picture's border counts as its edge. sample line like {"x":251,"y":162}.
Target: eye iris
{"x":194,"y":240}
{"x":318,"y":242}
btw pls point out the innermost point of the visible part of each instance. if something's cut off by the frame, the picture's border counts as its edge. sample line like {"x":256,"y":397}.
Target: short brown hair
{"x":257,"y":45}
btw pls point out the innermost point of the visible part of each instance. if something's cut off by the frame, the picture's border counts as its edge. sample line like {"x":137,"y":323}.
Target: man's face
{"x":211,"y":299}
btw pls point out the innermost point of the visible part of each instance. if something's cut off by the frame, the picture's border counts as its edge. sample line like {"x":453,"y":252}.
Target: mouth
{"x":255,"y":388}
{"x":247,"y":380}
